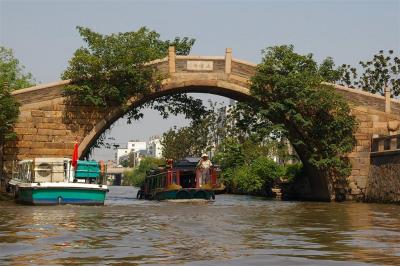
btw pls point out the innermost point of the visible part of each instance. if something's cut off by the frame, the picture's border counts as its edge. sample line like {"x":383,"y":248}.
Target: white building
{"x":154,"y":147}
{"x":137,"y":147}
{"x":121,"y":152}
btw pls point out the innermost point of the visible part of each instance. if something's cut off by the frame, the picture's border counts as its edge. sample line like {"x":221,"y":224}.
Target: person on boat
{"x":204,"y":165}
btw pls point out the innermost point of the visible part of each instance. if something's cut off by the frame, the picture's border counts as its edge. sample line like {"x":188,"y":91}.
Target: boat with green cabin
{"x":54,"y":181}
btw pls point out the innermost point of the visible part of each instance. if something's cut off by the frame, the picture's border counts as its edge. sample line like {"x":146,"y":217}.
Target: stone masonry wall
{"x":384,"y":178}
{"x":370,"y":123}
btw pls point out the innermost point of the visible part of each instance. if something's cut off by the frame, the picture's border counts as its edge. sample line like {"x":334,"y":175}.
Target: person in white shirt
{"x":204,"y":165}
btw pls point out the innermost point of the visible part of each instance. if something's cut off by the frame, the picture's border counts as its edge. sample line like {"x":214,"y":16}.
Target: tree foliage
{"x":248,"y":167}
{"x":382,"y":71}
{"x":316,"y":120}
{"x":12,"y":77}
{"x":137,"y":175}
{"x":179,"y":143}
{"x":12,"y":74}
{"x":202,"y":135}
{"x":113,"y":68}
{"x":9,"y":111}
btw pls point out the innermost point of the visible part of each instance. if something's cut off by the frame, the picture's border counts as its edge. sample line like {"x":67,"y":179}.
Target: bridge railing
{"x":385,"y":144}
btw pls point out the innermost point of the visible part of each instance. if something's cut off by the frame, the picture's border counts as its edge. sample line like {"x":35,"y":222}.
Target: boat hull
{"x":184,"y":194}
{"x":61,"y":195}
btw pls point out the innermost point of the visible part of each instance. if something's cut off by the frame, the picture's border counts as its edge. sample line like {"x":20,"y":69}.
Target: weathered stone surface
{"x":384,"y":178}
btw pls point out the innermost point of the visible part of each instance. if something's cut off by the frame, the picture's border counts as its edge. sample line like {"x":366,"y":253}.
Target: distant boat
{"x":54,"y":181}
{"x":179,"y":181}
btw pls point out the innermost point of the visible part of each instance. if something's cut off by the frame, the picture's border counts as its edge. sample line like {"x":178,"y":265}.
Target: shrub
{"x":136,"y":177}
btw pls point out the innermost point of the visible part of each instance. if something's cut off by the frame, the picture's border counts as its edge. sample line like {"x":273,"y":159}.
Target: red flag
{"x":75,"y":155}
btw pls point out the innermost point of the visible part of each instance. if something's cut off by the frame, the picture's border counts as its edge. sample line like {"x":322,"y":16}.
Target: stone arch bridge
{"x":48,"y":126}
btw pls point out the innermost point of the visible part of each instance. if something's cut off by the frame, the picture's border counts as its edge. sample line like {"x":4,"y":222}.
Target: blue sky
{"x":43,"y":35}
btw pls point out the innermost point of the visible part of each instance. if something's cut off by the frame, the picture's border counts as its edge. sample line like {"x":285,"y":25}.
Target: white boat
{"x":53,"y":181}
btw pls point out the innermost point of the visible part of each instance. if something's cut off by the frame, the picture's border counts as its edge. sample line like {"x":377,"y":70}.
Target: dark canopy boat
{"x":179,"y":180}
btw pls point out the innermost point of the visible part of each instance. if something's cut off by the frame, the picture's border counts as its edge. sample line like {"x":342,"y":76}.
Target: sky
{"x":43,"y":34}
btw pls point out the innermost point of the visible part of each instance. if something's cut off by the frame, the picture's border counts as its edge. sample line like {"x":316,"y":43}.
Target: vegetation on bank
{"x":136,"y":176}
{"x":315,"y":119}
{"x":248,"y":167}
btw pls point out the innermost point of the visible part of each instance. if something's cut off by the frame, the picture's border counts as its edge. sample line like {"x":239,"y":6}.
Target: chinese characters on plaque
{"x":199,"y":65}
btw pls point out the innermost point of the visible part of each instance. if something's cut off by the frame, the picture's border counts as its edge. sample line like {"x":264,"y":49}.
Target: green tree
{"x":316,"y":120}
{"x":136,"y":176}
{"x":11,"y":78}
{"x":12,"y":74}
{"x":382,"y":71}
{"x":247,"y":166}
{"x":202,"y":135}
{"x":186,"y":141}
{"x":113,"y":68}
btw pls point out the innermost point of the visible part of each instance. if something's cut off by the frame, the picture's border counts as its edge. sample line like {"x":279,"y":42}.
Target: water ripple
{"x":234,"y":230}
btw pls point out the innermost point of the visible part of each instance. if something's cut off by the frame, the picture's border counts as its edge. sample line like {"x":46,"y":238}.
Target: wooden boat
{"x":53,"y":181}
{"x":179,"y":181}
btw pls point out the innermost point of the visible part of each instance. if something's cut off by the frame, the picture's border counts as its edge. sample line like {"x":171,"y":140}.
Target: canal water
{"x":233,"y":230}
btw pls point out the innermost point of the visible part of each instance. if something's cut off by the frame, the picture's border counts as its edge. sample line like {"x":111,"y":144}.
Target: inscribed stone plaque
{"x":199,"y":65}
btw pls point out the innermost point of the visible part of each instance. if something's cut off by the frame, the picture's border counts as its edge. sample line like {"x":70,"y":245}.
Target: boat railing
{"x":204,"y":178}
{"x":173,"y":176}
{"x":155,"y":181}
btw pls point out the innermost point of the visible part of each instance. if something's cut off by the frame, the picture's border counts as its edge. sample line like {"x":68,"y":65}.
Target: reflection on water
{"x":234,"y":230}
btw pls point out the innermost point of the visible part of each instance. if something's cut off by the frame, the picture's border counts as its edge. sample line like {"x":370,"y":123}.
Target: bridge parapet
{"x":385,"y":145}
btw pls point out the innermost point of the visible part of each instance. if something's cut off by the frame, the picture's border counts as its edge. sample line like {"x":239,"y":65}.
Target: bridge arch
{"x":48,"y":124}
{"x":226,"y":89}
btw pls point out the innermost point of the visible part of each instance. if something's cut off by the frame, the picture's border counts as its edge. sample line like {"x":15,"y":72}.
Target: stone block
{"x":51,"y":145}
{"x":48,"y":114}
{"x":362,"y":148}
{"x":352,"y":185}
{"x":393,"y":125}
{"x":24,"y":125}
{"x":374,"y":118}
{"x":362,"y":136}
{"x":52,"y":120}
{"x":36,"y":119}
{"x":38,"y":144}
{"x":364,"y":130}
{"x":24,"y":144}
{"x":363,"y":118}
{"x":365,"y":124}
{"x":380,"y":124}
{"x":355,"y":172}
{"x":25,"y":113}
{"x":37,"y":113}
{"x":41,"y":138}
{"x":50,"y":126}
{"x":364,"y":143}
{"x":23,"y":131}
{"x":361,"y":183}
{"x":355,"y":191}
{"x":362,"y":154}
